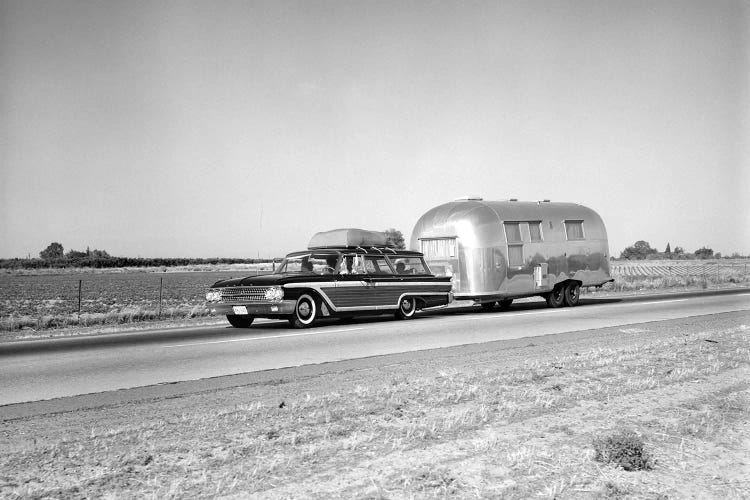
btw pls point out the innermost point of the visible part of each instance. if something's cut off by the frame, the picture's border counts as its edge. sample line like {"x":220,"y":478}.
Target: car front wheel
{"x":407,"y":307}
{"x":238,"y":321}
{"x":305,"y":312}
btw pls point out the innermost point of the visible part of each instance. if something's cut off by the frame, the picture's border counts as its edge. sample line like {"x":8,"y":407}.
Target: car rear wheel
{"x":505,"y":304}
{"x":556,"y":297}
{"x":305,"y":312}
{"x":572,"y":293}
{"x":240,"y":321}
{"x":407,"y":307}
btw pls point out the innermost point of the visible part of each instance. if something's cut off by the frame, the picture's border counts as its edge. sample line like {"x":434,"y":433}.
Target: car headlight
{"x":274,"y":294}
{"x":213,"y":295}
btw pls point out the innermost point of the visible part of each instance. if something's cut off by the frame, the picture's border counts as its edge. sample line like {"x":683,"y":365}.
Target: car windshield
{"x":309,"y":264}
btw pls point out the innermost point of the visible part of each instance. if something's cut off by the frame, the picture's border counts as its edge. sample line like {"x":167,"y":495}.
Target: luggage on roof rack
{"x":349,"y":237}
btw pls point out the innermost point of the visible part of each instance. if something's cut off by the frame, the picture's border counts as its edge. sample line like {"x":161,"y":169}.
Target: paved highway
{"x":39,"y":370}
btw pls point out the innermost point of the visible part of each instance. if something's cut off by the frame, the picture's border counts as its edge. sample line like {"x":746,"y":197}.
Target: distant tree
{"x":53,"y":251}
{"x":704,"y":253}
{"x":394,"y":238}
{"x":718,"y":255}
{"x":678,"y":251}
{"x":98,"y":254}
{"x":75,"y":255}
{"x":668,"y":250}
{"x":640,"y":250}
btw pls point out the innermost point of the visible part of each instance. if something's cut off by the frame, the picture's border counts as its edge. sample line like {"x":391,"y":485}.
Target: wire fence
{"x":43,"y":301}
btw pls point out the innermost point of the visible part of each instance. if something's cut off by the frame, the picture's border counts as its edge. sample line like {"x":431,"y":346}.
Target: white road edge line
{"x":506,"y":315}
{"x":653,"y":302}
{"x":266,"y":337}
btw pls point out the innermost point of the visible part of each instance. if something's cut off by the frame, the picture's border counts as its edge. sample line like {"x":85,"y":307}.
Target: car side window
{"x":408,"y":265}
{"x":352,"y":264}
{"x":377,"y":265}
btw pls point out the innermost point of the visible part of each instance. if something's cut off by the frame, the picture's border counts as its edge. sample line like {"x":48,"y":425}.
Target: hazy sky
{"x":240,"y":128}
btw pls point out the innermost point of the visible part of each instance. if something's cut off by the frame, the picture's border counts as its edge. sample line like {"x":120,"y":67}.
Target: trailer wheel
{"x":556,"y":297}
{"x":305,"y":312}
{"x":407,"y":307}
{"x":572,"y":293}
{"x":239,"y":321}
{"x":505,"y":304}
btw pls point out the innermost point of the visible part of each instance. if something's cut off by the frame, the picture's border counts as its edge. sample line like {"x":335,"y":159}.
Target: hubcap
{"x":304,"y":309}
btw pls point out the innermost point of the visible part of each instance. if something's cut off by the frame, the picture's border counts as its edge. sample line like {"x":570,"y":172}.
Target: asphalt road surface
{"x":41,"y":370}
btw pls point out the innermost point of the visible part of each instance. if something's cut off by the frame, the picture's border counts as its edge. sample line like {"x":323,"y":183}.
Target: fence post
{"x":161,"y":286}
{"x":80,"y":283}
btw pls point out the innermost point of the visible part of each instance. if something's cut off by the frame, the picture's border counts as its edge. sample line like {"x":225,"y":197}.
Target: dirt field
{"x":44,"y":301}
{"x":521,"y":419}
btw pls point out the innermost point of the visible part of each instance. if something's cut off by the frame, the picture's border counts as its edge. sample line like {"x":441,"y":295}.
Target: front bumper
{"x":259,"y":309}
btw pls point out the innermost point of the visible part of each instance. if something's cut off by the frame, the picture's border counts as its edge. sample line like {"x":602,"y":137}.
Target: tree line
{"x":642,"y":250}
{"x":54,"y":256}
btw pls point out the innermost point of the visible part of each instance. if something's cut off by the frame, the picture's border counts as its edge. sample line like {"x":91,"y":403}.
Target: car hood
{"x":263,"y":280}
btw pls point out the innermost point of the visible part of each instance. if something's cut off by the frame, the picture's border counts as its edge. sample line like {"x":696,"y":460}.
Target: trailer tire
{"x":305,"y":312}
{"x":556,"y":298}
{"x":407,"y":307}
{"x":240,"y":321}
{"x":572,"y":294}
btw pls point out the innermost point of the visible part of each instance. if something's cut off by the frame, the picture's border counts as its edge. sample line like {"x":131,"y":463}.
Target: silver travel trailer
{"x":497,"y":251}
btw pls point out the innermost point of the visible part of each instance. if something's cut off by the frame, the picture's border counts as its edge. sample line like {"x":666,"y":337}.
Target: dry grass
{"x":511,"y":423}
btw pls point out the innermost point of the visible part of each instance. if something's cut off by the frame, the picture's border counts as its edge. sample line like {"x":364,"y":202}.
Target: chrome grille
{"x":243,"y":294}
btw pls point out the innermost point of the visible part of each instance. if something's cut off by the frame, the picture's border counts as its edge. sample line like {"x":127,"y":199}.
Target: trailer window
{"x":513,"y":232}
{"x":515,"y":243}
{"x":440,"y":247}
{"x":535,"y":230}
{"x":574,"y":229}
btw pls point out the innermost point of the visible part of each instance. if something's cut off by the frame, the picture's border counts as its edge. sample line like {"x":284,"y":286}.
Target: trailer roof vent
{"x":513,"y":199}
{"x":542,"y":201}
{"x":469,"y":198}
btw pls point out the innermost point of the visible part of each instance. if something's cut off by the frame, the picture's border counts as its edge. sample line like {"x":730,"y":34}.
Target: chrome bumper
{"x":265,"y":309}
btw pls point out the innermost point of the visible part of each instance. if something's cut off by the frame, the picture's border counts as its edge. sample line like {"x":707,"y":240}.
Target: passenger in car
{"x":400,"y":268}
